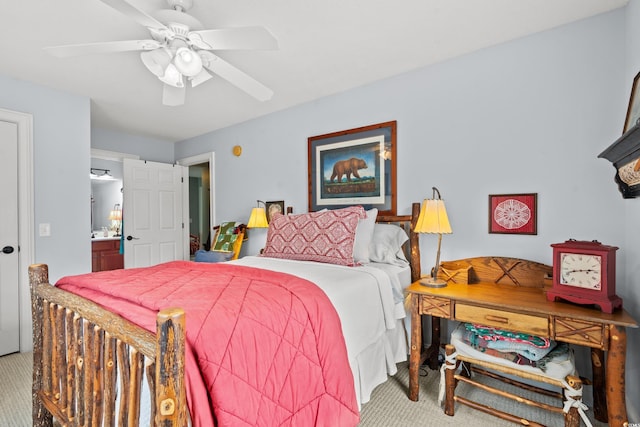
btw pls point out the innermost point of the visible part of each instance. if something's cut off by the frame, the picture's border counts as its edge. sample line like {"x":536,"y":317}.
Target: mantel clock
{"x":584,"y":272}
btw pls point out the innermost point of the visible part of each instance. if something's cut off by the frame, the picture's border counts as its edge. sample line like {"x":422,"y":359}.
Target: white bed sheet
{"x":369,"y":300}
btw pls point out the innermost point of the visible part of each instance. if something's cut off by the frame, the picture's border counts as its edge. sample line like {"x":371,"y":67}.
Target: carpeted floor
{"x":388,"y":407}
{"x":15,"y":390}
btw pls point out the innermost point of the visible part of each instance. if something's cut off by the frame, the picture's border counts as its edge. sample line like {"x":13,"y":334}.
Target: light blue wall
{"x":61,"y":146}
{"x":152,"y":149}
{"x":528,"y":116}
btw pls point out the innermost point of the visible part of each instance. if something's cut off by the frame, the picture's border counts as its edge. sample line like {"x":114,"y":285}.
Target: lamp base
{"x":430,"y":282}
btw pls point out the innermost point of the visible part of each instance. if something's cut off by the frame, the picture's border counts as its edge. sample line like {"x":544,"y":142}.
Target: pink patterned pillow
{"x":326,"y":236}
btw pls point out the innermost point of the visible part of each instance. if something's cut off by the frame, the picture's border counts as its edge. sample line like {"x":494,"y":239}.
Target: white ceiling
{"x":325,"y":47}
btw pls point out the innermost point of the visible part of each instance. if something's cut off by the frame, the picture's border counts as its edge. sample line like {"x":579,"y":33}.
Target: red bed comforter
{"x":263,"y":348}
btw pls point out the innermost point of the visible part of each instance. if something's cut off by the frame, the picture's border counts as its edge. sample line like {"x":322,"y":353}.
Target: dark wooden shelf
{"x":623,"y":151}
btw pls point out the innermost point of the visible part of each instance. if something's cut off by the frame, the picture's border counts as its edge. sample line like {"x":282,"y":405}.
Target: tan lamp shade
{"x":115,"y":215}
{"x":258,"y":218}
{"x":433,"y":218}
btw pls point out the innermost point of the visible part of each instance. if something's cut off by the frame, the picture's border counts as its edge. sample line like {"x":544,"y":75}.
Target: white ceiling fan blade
{"x":200,"y":78}
{"x":123,"y":6}
{"x":103,"y":47}
{"x":236,"y":77}
{"x":173,"y":96}
{"x":235,"y":38}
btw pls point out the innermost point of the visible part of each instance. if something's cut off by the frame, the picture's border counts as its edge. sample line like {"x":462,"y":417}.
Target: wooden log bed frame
{"x":79,"y":348}
{"x":89,"y":364}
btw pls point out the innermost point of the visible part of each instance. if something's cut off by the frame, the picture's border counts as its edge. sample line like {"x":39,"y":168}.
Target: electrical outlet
{"x":45,"y":230}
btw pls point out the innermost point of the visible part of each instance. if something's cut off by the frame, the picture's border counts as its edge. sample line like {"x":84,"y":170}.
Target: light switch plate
{"x":45,"y":230}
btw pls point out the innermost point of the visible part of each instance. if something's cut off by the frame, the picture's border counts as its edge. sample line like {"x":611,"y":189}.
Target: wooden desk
{"x":527,"y":310}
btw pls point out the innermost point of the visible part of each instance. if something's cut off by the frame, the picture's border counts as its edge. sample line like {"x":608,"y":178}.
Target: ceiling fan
{"x":180,"y":49}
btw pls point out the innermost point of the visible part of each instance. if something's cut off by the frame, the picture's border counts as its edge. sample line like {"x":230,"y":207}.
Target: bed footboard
{"x":89,"y":364}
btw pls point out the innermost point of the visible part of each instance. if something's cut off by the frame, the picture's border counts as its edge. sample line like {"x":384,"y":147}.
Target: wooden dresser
{"x":105,"y":255}
{"x":502,"y":293}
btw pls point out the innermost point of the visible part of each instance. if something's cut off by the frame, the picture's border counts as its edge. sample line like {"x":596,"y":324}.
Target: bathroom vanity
{"x":105,"y":254}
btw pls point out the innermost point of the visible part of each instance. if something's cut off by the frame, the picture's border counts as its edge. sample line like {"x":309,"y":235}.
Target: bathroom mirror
{"x":106,"y":194}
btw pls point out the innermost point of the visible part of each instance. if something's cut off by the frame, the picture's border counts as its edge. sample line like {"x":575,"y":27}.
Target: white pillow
{"x":386,"y":245}
{"x":364,"y":233}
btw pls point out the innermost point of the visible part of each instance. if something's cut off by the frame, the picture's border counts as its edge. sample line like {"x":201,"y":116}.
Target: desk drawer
{"x":503,"y":319}
{"x":580,"y":332}
{"x":434,"y":306}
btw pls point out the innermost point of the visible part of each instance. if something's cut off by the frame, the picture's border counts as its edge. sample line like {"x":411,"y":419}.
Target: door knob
{"x":7,"y":250}
{"x":132,"y":238}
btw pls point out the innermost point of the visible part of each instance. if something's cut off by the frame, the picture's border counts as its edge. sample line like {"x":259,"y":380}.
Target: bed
{"x":133,"y":362}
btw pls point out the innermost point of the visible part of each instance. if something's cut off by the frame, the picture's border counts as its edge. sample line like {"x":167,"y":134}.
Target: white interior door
{"x":9,"y":260}
{"x":153,"y":223}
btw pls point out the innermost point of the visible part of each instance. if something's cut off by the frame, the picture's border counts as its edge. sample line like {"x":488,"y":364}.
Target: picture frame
{"x":354,"y":167}
{"x":271,"y":208}
{"x":633,"y":110}
{"x":513,"y":213}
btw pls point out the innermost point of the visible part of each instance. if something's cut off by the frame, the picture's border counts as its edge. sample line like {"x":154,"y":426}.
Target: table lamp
{"x":258,"y":217}
{"x":115,"y":216}
{"x":433,"y":219}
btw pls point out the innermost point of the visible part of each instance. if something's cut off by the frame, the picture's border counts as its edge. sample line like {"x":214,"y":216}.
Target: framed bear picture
{"x":354,"y":167}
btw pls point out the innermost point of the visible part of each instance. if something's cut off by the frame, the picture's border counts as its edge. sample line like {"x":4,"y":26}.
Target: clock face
{"x":581,"y":271}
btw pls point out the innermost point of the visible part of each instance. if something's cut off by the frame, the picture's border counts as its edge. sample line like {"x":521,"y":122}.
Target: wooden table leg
{"x":435,"y":343}
{"x":434,"y":349}
{"x":614,"y":376}
{"x":416,"y":348}
{"x":450,"y":383}
{"x":599,"y":385}
{"x":430,"y":355}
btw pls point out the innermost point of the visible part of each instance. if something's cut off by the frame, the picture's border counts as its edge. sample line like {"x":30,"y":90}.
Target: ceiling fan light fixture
{"x":196,"y":40}
{"x":179,"y":50}
{"x":172,"y":76}
{"x":187,"y":62}
{"x":156,"y":61}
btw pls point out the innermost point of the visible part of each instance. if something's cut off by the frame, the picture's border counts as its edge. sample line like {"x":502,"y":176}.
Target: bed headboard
{"x":412,"y":247}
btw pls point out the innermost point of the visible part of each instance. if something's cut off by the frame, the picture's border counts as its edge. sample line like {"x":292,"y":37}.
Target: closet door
{"x":9,"y":259}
